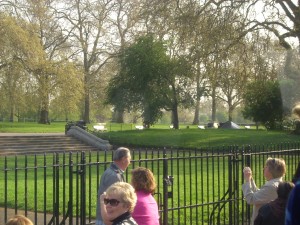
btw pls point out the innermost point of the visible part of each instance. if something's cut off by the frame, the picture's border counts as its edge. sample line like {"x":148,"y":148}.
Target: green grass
{"x":31,"y":127}
{"x":162,"y":136}
{"x":187,"y":171}
{"x":196,"y":138}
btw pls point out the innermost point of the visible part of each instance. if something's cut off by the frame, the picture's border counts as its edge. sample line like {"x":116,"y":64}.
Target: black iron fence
{"x":195,"y":186}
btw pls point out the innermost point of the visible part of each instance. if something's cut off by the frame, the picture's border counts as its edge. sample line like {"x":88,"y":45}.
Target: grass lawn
{"x":195,"y":178}
{"x":163,"y":136}
{"x":196,"y":138}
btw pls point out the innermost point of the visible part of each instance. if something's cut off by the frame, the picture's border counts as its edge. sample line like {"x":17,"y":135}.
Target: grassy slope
{"x":162,"y":136}
{"x":192,"y":138}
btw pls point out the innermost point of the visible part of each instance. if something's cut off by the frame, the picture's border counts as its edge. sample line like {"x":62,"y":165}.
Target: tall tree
{"x":21,"y":52}
{"x":126,"y":25}
{"x":52,"y":36}
{"x":150,"y":81}
{"x":88,"y":23}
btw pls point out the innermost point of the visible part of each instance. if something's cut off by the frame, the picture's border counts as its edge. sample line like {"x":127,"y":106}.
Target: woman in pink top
{"x":146,"y":209}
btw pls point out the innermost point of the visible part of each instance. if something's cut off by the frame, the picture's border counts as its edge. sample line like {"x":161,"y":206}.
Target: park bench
{"x":139,"y":127}
{"x":100,"y":127}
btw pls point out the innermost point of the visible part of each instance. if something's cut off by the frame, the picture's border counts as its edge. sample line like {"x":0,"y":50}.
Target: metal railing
{"x":195,"y":186}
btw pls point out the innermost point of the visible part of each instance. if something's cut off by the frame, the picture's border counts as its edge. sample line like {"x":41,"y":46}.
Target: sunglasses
{"x":112,"y":202}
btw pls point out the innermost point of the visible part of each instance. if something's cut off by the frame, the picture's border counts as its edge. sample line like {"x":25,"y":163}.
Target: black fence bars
{"x":198,"y":186}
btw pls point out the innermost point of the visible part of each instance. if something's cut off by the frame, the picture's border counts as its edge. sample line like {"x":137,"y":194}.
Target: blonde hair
{"x":19,"y":220}
{"x":126,"y":193}
{"x":276,"y":167}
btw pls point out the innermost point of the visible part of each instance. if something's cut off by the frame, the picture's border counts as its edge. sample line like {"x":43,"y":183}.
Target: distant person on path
{"x":113,"y":174}
{"x":19,"y":220}
{"x":117,"y":204}
{"x":296,"y":176}
{"x":273,"y":213}
{"x":274,"y":170}
{"x":146,"y":209}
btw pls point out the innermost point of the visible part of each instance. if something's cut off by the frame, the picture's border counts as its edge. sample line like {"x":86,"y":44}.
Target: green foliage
{"x":263,"y":103}
{"x":139,"y":82}
{"x":149,"y":81}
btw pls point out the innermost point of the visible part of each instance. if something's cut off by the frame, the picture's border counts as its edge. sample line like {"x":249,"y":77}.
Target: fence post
{"x":165,"y":188}
{"x":230,"y":178}
{"x":70,"y":203}
{"x":83,"y":189}
{"x":55,"y":218}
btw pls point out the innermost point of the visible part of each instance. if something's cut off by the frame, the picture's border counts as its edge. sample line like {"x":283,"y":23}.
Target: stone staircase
{"x":40,"y":143}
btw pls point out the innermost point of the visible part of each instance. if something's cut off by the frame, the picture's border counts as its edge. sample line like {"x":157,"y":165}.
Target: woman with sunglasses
{"x":274,"y":170}
{"x":117,"y":204}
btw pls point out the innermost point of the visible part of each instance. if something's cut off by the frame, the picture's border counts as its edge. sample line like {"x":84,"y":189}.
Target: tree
{"x":128,"y":14}
{"x":149,"y":81}
{"x":21,"y":52}
{"x":88,"y":24}
{"x":52,"y":36}
{"x":263,"y":103}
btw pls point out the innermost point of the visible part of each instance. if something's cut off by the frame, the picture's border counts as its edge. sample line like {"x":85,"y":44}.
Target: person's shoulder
{"x":265,"y":208}
{"x":129,"y":221}
{"x":273,"y":183}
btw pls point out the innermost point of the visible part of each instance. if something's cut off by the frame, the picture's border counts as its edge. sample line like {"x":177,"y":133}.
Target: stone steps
{"x":18,"y":144}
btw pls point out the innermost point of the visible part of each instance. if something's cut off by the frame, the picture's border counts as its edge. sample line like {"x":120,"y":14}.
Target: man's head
{"x":122,"y":158}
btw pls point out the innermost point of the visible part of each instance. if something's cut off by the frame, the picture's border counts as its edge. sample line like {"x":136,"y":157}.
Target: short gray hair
{"x":120,"y":153}
{"x":276,"y":166}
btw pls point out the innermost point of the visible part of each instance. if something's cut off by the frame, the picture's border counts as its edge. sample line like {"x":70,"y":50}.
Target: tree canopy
{"x":263,"y":103}
{"x":149,"y":81}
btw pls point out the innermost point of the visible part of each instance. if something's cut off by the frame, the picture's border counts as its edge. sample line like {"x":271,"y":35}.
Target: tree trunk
{"x":11,"y":116}
{"x":175,"y":120}
{"x":118,"y":116}
{"x":44,"y":113}
{"x":196,"y":115}
{"x":230,"y":112}
{"x":44,"y":117}
{"x":214,"y":105}
{"x":86,"y":117}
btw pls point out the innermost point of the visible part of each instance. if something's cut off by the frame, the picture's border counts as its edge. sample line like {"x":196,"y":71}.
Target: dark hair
{"x":284,"y":189}
{"x":120,"y":153}
{"x":297,"y":174}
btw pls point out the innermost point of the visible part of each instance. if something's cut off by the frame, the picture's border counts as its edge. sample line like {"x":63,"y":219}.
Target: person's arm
{"x":105,"y":220}
{"x":264,"y":195}
{"x":109,"y":178}
{"x":249,"y":187}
